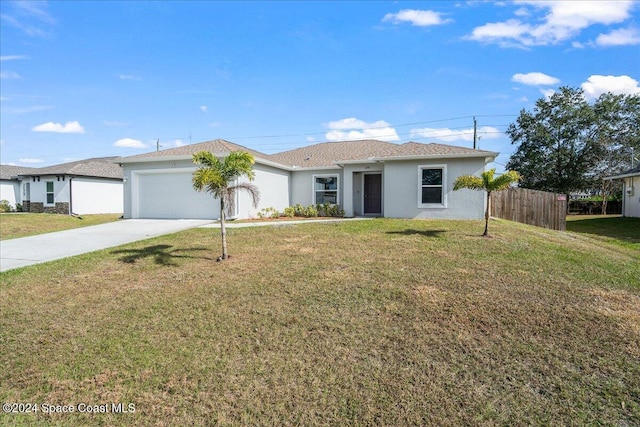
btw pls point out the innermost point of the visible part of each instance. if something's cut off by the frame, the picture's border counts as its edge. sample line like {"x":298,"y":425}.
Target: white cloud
{"x":69,"y":127}
{"x":418,"y":18}
{"x":619,"y":37}
{"x":596,"y":85}
{"x":355,"y":129}
{"x":551,"y":22}
{"x":204,"y":108}
{"x":28,"y":16}
{"x":23,"y":110}
{"x":178,"y":143}
{"x":30,"y":161}
{"x":448,"y":135}
{"x":9,"y":75}
{"x":129,"y":143}
{"x":128,"y":77}
{"x":548,"y":93}
{"x":12,"y":57}
{"x":535,"y":79}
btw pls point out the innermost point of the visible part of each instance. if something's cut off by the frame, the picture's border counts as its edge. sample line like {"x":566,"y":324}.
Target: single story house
{"x":11,"y":188}
{"x":630,"y":191}
{"x":88,"y":186}
{"x":366,"y":178}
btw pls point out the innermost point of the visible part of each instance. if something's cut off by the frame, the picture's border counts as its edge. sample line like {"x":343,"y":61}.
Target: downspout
{"x":70,"y":196}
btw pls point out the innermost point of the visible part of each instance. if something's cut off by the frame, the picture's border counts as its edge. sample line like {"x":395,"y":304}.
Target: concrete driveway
{"x":16,"y":253}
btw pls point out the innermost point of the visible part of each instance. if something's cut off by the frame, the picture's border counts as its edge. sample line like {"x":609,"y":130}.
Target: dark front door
{"x":373,"y":194}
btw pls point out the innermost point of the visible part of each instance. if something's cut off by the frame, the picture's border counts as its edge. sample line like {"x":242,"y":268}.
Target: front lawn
{"x":381,"y":322}
{"x":13,"y":225}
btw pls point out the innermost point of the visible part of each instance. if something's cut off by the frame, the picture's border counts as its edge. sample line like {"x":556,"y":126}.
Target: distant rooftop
{"x":99,"y":167}
{"x":9,"y":171}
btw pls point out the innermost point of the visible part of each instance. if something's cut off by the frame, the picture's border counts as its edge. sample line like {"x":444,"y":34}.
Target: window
{"x":325,"y":189}
{"x":49,"y":192}
{"x":432,"y":184}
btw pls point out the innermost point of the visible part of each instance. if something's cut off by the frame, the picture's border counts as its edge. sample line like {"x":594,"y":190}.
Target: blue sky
{"x":86,"y":79}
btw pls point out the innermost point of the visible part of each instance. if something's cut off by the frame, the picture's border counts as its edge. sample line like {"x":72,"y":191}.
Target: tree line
{"x":567,"y":144}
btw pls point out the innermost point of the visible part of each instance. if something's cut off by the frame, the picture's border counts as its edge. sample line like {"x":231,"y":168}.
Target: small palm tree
{"x":219,"y":178}
{"x":487,"y":183}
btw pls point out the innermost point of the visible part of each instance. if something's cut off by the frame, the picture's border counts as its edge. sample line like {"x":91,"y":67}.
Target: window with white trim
{"x":50,"y":197}
{"x":325,"y":189}
{"x":431,"y":186}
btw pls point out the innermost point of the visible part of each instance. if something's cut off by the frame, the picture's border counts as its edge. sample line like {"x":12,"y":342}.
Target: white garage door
{"x":171,"y":196}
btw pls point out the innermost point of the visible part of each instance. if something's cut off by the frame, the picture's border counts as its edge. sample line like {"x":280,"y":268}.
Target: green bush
{"x":290,"y":212}
{"x":310,"y":211}
{"x":5,"y":206}
{"x":269,"y":213}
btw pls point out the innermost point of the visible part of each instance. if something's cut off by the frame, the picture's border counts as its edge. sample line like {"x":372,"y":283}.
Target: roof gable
{"x":216,"y":146}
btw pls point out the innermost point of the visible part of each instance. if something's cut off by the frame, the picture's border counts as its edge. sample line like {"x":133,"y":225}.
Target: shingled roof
{"x":216,"y":146}
{"x":332,"y":153}
{"x":99,"y":167}
{"x":9,"y":171}
{"x":635,"y":171}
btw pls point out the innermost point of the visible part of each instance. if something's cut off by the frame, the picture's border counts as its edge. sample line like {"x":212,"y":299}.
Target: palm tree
{"x":486,"y":183}
{"x":219,"y":178}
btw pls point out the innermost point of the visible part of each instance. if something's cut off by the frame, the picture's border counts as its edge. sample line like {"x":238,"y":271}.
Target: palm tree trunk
{"x":486,"y":215}
{"x":223,"y":229}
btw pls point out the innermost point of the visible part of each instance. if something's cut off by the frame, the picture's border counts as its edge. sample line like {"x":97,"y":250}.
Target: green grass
{"x":609,"y":228}
{"x":381,"y":322}
{"x":29,"y":224}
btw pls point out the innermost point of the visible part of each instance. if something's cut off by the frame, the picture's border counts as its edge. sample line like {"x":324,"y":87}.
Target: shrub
{"x":5,"y":206}
{"x":310,"y":211}
{"x":299,"y":210}
{"x":290,"y":212}
{"x":19,"y":207}
{"x":269,"y":213}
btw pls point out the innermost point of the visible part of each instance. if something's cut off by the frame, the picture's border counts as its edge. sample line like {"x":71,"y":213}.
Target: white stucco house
{"x":88,"y":186}
{"x":630,"y":191}
{"x":367,"y":177}
{"x":11,"y":188}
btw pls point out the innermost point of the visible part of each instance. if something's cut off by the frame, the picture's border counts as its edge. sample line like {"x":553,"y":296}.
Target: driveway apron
{"x":16,"y":253}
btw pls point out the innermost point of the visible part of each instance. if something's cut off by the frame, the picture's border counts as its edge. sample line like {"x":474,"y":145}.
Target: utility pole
{"x":158,"y":144}
{"x":475,"y":133}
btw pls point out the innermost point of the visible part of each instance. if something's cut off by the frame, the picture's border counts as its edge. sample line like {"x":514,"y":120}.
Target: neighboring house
{"x":630,"y":191}
{"x":88,"y":186}
{"x":11,"y":187}
{"x":369,"y":177}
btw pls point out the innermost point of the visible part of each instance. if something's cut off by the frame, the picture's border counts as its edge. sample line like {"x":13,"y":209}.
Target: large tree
{"x":617,"y":137}
{"x":567,"y":144}
{"x":486,"y":182}
{"x":555,"y":151}
{"x":220,"y":178}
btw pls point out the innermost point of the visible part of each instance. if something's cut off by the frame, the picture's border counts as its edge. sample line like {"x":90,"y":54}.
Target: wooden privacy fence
{"x":539,"y":208}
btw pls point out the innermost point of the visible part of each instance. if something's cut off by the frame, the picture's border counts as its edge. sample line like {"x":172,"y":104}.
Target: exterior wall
{"x":400,"y":187}
{"x":302,"y":186}
{"x":273,"y":184}
{"x":94,"y":196}
{"x":10,"y":191}
{"x":631,"y":205}
{"x":39,"y":193}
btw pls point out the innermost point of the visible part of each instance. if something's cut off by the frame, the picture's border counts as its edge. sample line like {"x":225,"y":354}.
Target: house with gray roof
{"x":366,"y":178}
{"x":630,"y":191}
{"x":89,"y":186}
{"x":11,"y":188}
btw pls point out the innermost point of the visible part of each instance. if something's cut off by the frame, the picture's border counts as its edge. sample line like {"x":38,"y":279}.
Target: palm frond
{"x":468,"y":181}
